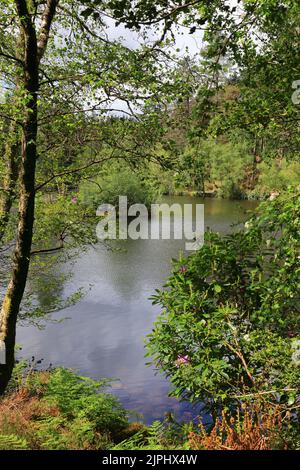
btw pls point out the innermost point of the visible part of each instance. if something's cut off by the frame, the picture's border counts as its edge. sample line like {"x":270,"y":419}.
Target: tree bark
{"x":12,"y":149}
{"x":11,"y":159}
{"x":33,"y":51}
{"x":16,"y":287}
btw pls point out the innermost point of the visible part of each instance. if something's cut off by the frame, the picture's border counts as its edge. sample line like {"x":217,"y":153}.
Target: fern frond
{"x":12,"y":442}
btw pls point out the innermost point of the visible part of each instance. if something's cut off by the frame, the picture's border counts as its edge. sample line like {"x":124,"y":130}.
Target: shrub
{"x":254,"y":427}
{"x":166,"y":435}
{"x":58,"y":409}
{"x":222,"y":163}
{"x":120,"y":182}
{"x":278,"y":175}
{"x":229,"y":326}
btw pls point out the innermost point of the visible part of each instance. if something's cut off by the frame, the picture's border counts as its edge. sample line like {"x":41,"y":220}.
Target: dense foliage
{"x":230,"y":321}
{"x":57,"y":409}
{"x":86,"y":117}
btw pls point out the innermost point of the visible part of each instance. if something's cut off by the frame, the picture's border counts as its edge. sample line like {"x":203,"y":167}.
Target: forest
{"x":139,"y":344}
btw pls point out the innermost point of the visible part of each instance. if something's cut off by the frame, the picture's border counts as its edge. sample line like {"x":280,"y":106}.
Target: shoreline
{"x":214,"y":195}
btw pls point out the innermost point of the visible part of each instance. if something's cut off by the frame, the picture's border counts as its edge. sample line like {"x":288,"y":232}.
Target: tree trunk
{"x":11,"y":157}
{"x":16,"y":287}
{"x":33,"y":50}
{"x":11,"y":149}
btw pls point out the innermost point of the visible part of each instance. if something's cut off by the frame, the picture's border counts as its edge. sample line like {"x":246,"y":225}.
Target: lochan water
{"x":104,"y":333}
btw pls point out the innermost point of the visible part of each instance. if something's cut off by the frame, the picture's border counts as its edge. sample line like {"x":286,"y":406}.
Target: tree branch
{"x":47,"y":19}
{"x":73,"y":171}
{"x":242,"y":359}
{"x":45,"y":250}
{"x":11,"y":57}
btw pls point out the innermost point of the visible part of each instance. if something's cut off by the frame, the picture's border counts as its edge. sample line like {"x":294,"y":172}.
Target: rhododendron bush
{"x":229,"y":326}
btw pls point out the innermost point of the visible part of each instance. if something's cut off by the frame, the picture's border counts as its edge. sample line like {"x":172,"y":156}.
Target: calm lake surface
{"x":103,"y":334}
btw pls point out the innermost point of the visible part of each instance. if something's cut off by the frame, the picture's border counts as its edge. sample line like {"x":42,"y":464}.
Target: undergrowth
{"x":57,"y":409}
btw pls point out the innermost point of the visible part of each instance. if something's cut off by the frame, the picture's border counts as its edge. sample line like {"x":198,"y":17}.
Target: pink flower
{"x":74,"y":200}
{"x":182,"y":269}
{"x":182,"y":360}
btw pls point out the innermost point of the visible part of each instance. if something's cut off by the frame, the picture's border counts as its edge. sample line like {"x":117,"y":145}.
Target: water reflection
{"x":104,"y":336}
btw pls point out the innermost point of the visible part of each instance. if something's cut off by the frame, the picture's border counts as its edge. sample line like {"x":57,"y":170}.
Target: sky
{"x":183,"y":39}
{"x":187,"y":44}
